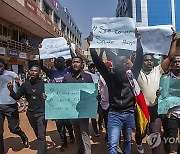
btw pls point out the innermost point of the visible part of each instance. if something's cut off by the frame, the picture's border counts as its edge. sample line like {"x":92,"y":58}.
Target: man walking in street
{"x":80,"y":125}
{"x":8,"y":107}
{"x":33,"y":90}
{"x":121,"y":97}
{"x":148,"y":81}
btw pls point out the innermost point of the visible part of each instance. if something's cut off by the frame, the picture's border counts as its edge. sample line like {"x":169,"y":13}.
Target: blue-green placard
{"x":170,"y":94}
{"x":70,"y":100}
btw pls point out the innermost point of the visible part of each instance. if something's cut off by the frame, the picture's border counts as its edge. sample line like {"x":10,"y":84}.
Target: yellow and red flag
{"x":143,"y":117}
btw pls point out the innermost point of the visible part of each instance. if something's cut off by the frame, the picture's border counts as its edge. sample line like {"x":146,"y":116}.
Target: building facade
{"x":24,"y":24}
{"x":153,"y":12}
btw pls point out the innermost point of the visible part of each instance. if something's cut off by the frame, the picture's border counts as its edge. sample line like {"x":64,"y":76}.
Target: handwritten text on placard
{"x":113,"y":33}
{"x":54,"y":47}
{"x":70,"y":100}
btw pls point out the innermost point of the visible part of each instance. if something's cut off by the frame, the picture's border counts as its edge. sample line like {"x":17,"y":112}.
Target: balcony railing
{"x":21,"y":47}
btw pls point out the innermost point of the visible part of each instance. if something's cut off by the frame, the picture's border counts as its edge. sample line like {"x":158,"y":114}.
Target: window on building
{"x":138,"y":11}
{"x":68,"y":31}
{"x":1,"y":29}
{"x":63,"y":26}
{"x":5,"y":31}
{"x":56,"y":19}
{"x":177,"y":14}
{"x":47,"y":9}
{"x":159,"y":12}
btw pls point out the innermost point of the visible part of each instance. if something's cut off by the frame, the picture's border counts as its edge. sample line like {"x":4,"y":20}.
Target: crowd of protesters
{"x":116,"y":100}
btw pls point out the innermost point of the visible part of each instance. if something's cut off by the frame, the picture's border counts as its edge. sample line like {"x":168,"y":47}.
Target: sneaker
{"x":25,"y":140}
{"x":119,"y":149}
{"x":140,"y":149}
{"x":63,"y":147}
{"x":96,"y":134}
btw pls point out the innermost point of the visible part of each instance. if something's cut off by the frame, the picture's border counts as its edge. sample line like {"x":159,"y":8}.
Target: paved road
{"x":13,"y":143}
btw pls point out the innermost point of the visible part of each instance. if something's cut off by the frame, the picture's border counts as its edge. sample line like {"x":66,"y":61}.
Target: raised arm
{"x":101,"y":67}
{"x":139,"y":59}
{"x":45,"y":69}
{"x":18,"y":94}
{"x":165,"y":64}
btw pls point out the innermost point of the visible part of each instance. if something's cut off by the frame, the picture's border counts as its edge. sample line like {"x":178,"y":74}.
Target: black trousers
{"x":11,"y":112}
{"x":38,"y":123}
{"x":105,"y":117}
{"x":154,"y":127}
{"x":100,"y":119}
{"x":171,"y":131}
{"x":62,"y":125}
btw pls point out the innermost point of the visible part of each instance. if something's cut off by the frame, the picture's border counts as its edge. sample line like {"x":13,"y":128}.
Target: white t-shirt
{"x":5,"y":78}
{"x":95,"y":76}
{"x":103,"y":90}
{"x":149,"y":84}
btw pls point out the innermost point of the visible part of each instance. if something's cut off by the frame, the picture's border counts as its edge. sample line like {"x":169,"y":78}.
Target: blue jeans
{"x":118,"y":121}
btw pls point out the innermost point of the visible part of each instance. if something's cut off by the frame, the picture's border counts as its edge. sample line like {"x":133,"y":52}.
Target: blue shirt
{"x":56,"y":75}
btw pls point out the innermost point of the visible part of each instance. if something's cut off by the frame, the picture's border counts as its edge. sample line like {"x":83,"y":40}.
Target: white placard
{"x":114,"y":33}
{"x":23,"y":55}
{"x":5,"y":98}
{"x":54,"y":48}
{"x":156,"y":39}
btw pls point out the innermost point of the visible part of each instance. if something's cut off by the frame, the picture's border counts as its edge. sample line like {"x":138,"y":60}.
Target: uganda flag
{"x":142,"y":113}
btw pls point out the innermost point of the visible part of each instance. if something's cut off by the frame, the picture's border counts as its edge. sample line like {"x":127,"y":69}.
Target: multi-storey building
{"x":23,"y":25}
{"x":152,"y":12}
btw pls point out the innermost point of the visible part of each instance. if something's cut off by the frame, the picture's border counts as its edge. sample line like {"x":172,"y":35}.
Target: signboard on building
{"x":34,"y":57}
{"x":2,"y":51}
{"x":23,"y":55}
{"x":13,"y":53}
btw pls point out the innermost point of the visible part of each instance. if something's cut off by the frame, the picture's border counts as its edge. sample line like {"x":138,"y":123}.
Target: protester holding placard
{"x":80,"y":125}
{"x":121,"y":98}
{"x":148,"y":81}
{"x":173,"y":115}
{"x":56,"y":75}
{"x":8,"y":107}
{"x":33,"y":90}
